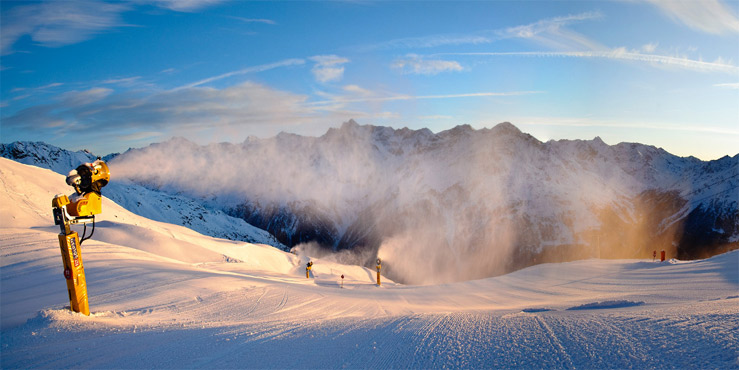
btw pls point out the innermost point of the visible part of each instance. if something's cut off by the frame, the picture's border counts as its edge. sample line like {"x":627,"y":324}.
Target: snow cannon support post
{"x":74,"y":270}
{"x":379,"y":266}
{"x":307,"y":269}
{"x":662,"y":256}
{"x":80,"y":208}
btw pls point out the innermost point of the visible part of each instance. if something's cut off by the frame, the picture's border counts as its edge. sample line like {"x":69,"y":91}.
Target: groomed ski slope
{"x":163,"y":296}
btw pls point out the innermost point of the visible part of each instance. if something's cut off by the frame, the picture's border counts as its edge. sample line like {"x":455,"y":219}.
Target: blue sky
{"x":107,"y":76}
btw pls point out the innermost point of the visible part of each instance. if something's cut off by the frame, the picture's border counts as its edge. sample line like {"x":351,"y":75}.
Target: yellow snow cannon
{"x":87,"y":180}
{"x":79,"y":208}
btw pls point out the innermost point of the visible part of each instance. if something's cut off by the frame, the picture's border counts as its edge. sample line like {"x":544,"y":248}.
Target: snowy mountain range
{"x":459,"y":204}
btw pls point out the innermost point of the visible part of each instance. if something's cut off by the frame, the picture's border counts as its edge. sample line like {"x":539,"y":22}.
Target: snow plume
{"x":312,"y":250}
{"x":412,"y":195}
{"x":435,"y":248}
{"x":456,"y":205}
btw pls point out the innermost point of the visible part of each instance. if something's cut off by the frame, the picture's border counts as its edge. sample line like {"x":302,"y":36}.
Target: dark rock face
{"x":292,"y":224}
{"x":707,"y":232}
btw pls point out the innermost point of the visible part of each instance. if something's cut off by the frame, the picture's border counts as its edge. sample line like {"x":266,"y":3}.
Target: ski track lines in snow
{"x":59,"y":338}
{"x":153,"y":307}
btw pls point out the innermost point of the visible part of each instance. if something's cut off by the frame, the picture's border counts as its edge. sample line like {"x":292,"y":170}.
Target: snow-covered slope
{"x":163,"y":296}
{"x":467,"y":203}
{"x":150,"y":203}
{"x":27,"y":220}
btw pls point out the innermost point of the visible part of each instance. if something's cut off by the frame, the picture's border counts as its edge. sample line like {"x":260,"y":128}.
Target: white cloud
{"x":552,"y":33}
{"x":183,"y":5}
{"x":245,"y":104}
{"x":255,"y":20}
{"x":78,"y":98}
{"x":590,"y":122}
{"x":128,"y":81}
{"x":328,"y":68}
{"x":732,"y":85}
{"x":59,"y":23}
{"x":254,"y":69}
{"x":342,"y":100}
{"x":357,"y":90}
{"x":416,"y":64}
{"x":40,"y":88}
{"x":549,"y":31}
{"x":623,"y":54}
{"x":140,"y":135}
{"x":430,"y":42}
{"x":384,"y":115}
{"x":649,"y":48}
{"x":710,"y":16}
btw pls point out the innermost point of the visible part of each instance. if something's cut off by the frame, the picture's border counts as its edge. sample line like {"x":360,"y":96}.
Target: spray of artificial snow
{"x":457,"y":205}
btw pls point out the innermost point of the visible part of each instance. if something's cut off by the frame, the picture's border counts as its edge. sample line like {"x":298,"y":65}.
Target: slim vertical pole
{"x":74,"y":270}
{"x":379,"y":266}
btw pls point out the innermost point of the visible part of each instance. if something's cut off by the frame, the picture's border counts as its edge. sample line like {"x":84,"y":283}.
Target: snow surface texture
{"x":171,"y":208}
{"x":163,"y":296}
{"x":466,"y":203}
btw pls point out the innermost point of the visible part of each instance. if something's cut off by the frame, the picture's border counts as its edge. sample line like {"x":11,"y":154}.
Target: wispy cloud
{"x":430,"y":42}
{"x":183,"y":5}
{"x":589,"y":122}
{"x":357,"y":90}
{"x":552,"y":33}
{"x":710,"y":16}
{"x":419,"y":97}
{"x":548,"y":31}
{"x":245,"y":104}
{"x":649,"y":48}
{"x":128,"y":81}
{"x":40,"y":88}
{"x":59,"y":23}
{"x":328,"y":68}
{"x":253,"y":69}
{"x":140,"y":136}
{"x":545,"y":25}
{"x":623,"y":54}
{"x":416,"y":64}
{"x":79,"y":98}
{"x":246,"y":107}
{"x":734,"y":85}
{"x":254,"y":20}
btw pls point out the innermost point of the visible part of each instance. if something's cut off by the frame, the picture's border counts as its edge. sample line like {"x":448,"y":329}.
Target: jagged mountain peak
{"x":350,"y":124}
{"x":458,"y":130}
{"x":45,"y":155}
{"x":506,"y":128}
